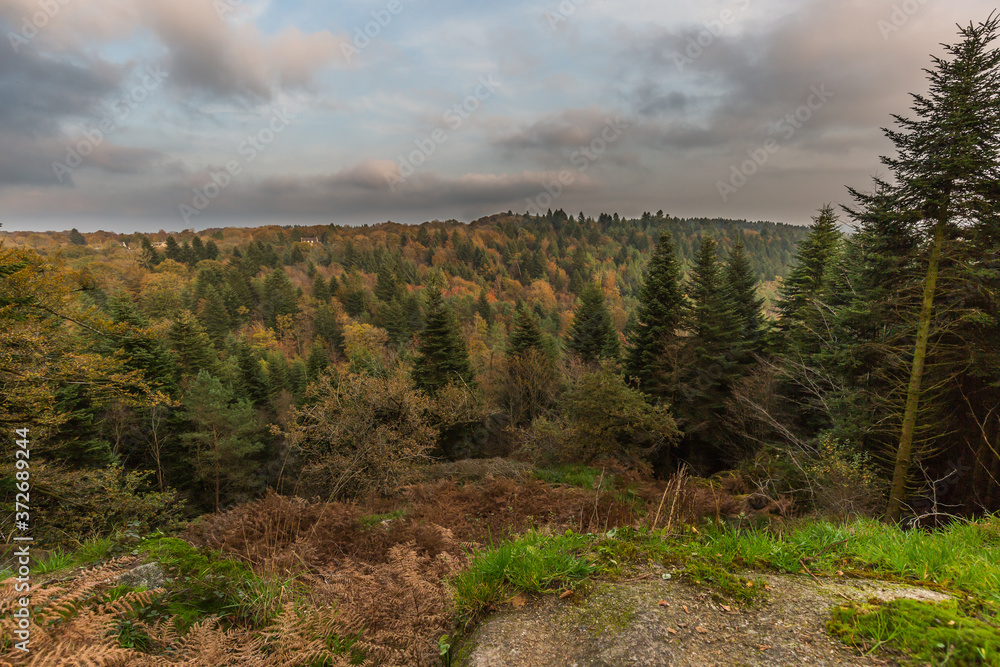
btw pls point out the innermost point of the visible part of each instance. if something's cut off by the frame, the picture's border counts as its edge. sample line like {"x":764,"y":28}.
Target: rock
{"x":627,"y":623}
{"x":148,"y":576}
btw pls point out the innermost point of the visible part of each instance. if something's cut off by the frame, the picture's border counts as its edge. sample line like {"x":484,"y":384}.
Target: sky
{"x":140,"y":115}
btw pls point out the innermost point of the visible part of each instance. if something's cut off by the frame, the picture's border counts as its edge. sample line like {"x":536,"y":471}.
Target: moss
{"x":606,"y":608}
{"x":941,"y":633}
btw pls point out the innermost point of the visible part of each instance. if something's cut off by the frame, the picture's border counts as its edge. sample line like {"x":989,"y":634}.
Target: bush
{"x":361,"y":433}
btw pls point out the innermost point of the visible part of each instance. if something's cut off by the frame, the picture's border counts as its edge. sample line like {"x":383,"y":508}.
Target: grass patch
{"x":202,"y":584}
{"x":370,"y":520}
{"x":533,"y":563}
{"x":744,"y":590}
{"x":571,"y":474}
{"x":56,"y":560}
{"x":920,"y":632}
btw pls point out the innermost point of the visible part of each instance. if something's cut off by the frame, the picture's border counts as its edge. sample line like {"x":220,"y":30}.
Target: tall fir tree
{"x":661,"y":308}
{"x":191,"y":345}
{"x":946,"y":169}
{"x":443,"y":355}
{"x":593,"y":335}
{"x":815,"y":260}
{"x":749,"y":303}
{"x":525,"y":333}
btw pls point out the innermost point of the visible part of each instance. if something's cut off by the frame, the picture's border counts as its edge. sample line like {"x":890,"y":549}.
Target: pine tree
{"x":525,"y":334}
{"x":387,"y":286}
{"x":173,"y":250}
{"x":150,"y":258}
{"x":143,"y":350}
{"x":191,"y":344}
{"x":76,"y":238}
{"x":815,"y":259}
{"x":715,"y":349}
{"x":320,"y":291}
{"x":225,"y":440}
{"x":661,"y":307}
{"x":749,"y":304}
{"x":484,"y":308}
{"x":326,"y":326}
{"x":318,"y":360}
{"x":213,"y":315}
{"x":946,"y":168}
{"x":593,"y":335}
{"x":252,"y":382}
{"x":444,"y":356}
{"x":278,"y":297}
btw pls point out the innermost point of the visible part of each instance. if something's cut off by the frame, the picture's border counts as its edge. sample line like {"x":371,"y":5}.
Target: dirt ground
{"x":652,"y":621}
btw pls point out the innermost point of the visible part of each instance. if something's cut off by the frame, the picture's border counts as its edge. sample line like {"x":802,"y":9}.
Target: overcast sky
{"x":137,"y":115}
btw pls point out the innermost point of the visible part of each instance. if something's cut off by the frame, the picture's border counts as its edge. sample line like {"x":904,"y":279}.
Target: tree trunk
{"x":905,"y":451}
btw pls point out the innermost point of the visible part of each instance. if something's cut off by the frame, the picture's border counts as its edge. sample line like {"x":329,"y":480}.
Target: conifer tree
{"x":716,"y":348}
{"x":749,"y":305}
{"x":815,"y":259}
{"x":525,"y":334}
{"x":278,"y":297}
{"x":191,"y":344}
{"x":224,"y":440}
{"x":387,"y":286}
{"x":661,"y":307}
{"x":484,"y":308}
{"x":444,"y":356}
{"x":326,"y":326}
{"x":945,"y":172}
{"x":593,"y":335}
{"x":213,"y":315}
{"x":320,"y":291}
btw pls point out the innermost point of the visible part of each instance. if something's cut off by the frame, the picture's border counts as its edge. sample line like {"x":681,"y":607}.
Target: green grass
{"x":921,"y":633}
{"x":57,"y":560}
{"x":571,"y":474}
{"x":370,"y":520}
{"x":533,"y":563}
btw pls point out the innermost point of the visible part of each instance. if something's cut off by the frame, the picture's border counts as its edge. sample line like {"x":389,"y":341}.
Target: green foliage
{"x":661,"y":304}
{"x":444,"y":356}
{"x":192,"y":345}
{"x":606,"y":417}
{"x":533,"y":563}
{"x":278,"y":297}
{"x":224,"y":441}
{"x":593,"y":335}
{"x":573,"y":474}
{"x":943,"y":633}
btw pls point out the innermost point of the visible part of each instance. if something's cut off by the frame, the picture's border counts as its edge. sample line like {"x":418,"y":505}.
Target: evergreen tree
{"x":749,"y":304}
{"x":318,"y":360}
{"x":198,"y":251}
{"x":387,"y":287}
{"x":525,"y":334}
{"x":143,"y":350}
{"x":815,"y":259}
{"x":593,"y":335}
{"x":191,"y":344}
{"x":484,"y":308}
{"x":715,"y":351}
{"x":150,"y":258}
{"x":320,"y":291}
{"x":444,"y":356}
{"x":278,"y":297}
{"x":211,"y":250}
{"x":76,"y":238}
{"x":225,"y":440}
{"x":661,"y":304}
{"x":252,"y":382}
{"x":213,"y":315}
{"x":946,"y":168}
{"x":173,"y":250}
{"x":328,"y":328}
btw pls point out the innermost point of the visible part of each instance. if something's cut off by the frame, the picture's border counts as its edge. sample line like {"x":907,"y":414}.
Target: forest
{"x":257,"y":376}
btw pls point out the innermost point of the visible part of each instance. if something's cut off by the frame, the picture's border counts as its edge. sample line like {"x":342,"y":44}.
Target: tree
{"x":278,"y":297}
{"x":815,"y":259}
{"x":361,"y":433}
{"x":213,"y":315}
{"x":191,"y":344}
{"x":225,"y":440}
{"x":715,"y":349}
{"x":946,"y":168}
{"x":661,"y":308}
{"x":387,"y":287}
{"x":525,"y":334}
{"x":484,"y":308}
{"x":749,"y":305}
{"x":150,"y":258}
{"x":593,"y":335}
{"x":444,"y":356}
{"x":76,"y":238}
